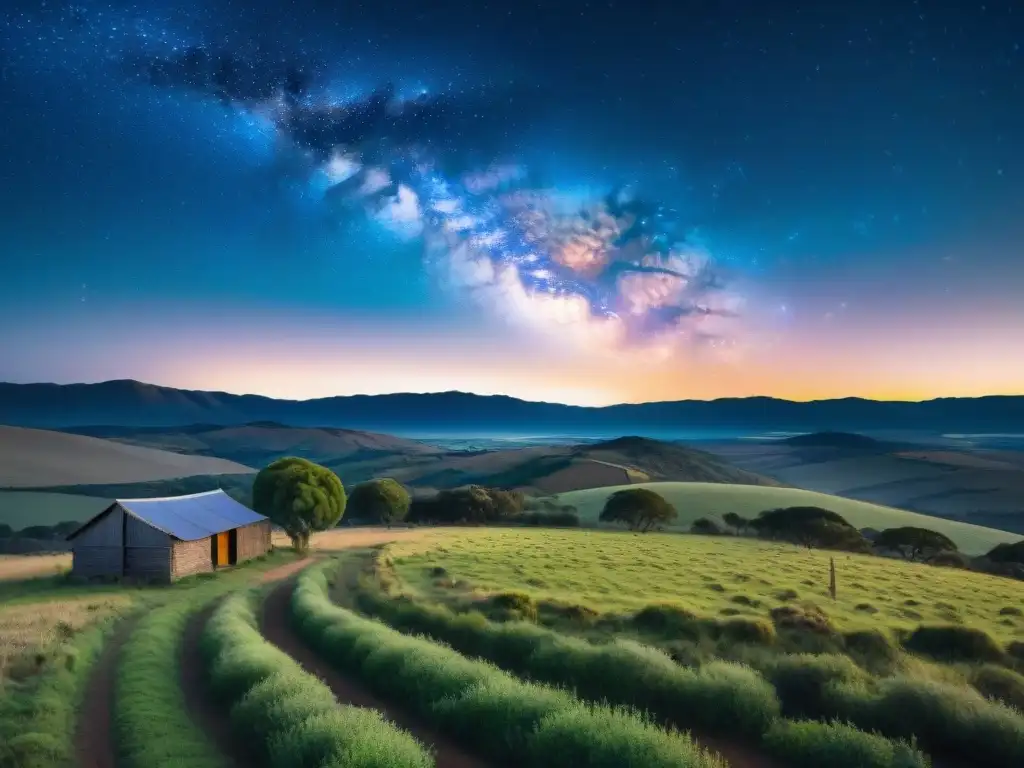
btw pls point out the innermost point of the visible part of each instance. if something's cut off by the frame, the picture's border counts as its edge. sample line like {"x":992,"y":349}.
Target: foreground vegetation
{"x":709,"y":600}
{"x":500,"y":716}
{"x":288,"y":717}
{"x":41,"y":696}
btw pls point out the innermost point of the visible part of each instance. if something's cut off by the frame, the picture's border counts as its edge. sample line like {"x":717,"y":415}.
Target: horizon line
{"x":504,"y":396}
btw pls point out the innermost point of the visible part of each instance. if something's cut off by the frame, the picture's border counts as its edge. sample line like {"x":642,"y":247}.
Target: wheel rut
{"x":275,"y":625}
{"x":94,"y":742}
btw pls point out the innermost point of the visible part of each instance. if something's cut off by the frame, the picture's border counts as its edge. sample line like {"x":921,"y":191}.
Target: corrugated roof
{"x":192,"y":517}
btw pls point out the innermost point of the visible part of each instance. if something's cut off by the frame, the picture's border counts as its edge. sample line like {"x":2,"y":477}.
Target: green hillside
{"x":694,"y":500}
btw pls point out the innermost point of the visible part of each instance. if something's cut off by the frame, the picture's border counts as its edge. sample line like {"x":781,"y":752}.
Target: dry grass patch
{"x":17,"y":567}
{"x":29,"y":633}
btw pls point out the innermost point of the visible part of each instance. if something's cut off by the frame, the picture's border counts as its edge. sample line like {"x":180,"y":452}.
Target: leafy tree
{"x":914,"y":543}
{"x":639,"y":508}
{"x":1007,"y":553}
{"x":384,"y":500}
{"x":810,"y":527}
{"x":706,"y":527}
{"x":6,"y":531}
{"x":300,"y":496}
{"x":36,"y":532}
{"x":738,"y":522}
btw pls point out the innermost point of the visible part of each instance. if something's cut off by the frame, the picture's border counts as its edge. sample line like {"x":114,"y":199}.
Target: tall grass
{"x":721,"y":698}
{"x":505,"y":718}
{"x":291,"y":719}
{"x":944,"y":719}
{"x":38,"y":717}
{"x":151,"y":721}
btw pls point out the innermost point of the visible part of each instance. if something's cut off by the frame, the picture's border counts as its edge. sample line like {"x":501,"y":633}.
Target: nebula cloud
{"x":612,"y":273}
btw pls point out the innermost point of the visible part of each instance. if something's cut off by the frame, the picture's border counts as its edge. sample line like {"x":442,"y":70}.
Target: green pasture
{"x":695,"y":500}
{"x":711,"y":576}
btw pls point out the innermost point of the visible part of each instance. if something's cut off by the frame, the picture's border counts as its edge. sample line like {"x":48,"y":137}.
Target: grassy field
{"x":620,"y":572}
{"x":20,"y":509}
{"x":695,"y":500}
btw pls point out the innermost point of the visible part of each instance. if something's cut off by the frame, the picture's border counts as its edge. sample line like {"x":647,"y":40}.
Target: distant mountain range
{"x":135,"y":404}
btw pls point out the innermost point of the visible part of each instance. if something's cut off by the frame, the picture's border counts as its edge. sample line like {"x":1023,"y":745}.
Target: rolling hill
{"x":980,"y":486}
{"x":259,"y":443}
{"x":694,"y":500}
{"x":35,"y":457}
{"x":546,"y":469}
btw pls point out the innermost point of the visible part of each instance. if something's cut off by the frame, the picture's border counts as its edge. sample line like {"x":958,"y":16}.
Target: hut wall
{"x":147,"y":553}
{"x":252,"y":541}
{"x":97,"y":551}
{"x":190,"y":557}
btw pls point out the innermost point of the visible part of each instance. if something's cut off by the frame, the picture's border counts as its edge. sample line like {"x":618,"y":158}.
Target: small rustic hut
{"x":166,"y":539}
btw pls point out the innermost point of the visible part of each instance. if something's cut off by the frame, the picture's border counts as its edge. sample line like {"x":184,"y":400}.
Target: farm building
{"x":166,"y":539}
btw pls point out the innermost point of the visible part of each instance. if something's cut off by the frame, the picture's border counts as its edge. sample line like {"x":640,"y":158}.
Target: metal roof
{"x":192,"y":517}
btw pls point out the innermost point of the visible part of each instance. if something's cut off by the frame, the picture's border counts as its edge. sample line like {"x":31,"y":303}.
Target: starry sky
{"x":585,"y":202}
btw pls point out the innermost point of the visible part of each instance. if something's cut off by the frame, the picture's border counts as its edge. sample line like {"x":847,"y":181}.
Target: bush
{"x":382,"y":500}
{"x":665,"y":618}
{"x":999,"y":683}
{"x":806,"y":617}
{"x":804,"y":681}
{"x":953,"y":642}
{"x":947,"y":721}
{"x":455,"y":693}
{"x":806,"y":744}
{"x":151,"y":719}
{"x":290,"y":717}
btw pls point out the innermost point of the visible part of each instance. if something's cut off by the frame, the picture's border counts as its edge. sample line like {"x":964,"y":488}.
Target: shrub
{"x":953,"y":642}
{"x":382,"y":500}
{"x":747,"y":630}
{"x":454,"y":693}
{"x":151,"y":719}
{"x":805,"y":744}
{"x":999,"y":683}
{"x":806,"y":617}
{"x":289,"y":717}
{"x":803,"y":682}
{"x":946,"y":720}
{"x":664,"y":618}
{"x":871,"y":645}
{"x":515,"y":605}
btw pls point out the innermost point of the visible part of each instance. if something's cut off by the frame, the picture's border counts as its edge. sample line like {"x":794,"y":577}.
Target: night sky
{"x":586,"y":202}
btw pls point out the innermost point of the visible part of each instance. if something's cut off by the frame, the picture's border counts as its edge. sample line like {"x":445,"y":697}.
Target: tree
{"x":383,"y":500}
{"x":300,"y":496}
{"x":809,"y":526}
{"x":639,"y":508}
{"x":914,"y":543}
{"x":705,"y":527}
{"x":1007,"y":553}
{"x":735,"y":521}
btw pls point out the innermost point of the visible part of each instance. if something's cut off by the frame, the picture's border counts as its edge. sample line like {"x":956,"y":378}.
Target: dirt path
{"x":94,"y":734}
{"x":203,"y":710}
{"x":276,"y":627}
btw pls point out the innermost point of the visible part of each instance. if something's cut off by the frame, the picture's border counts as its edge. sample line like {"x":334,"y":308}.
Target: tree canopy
{"x":1007,"y":553}
{"x":736,"y":521}
{"x":639,"y":508}
{"x":809,"y":526}
{"x":383,"y":500}
{"x":914,"y":543}
{"x":471,"y":504}
{"x":300,"y":496}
